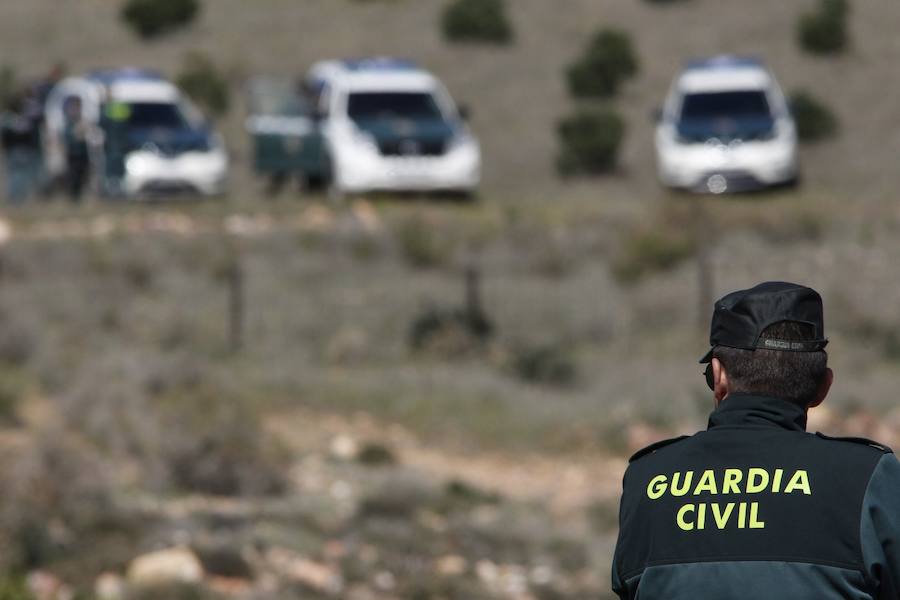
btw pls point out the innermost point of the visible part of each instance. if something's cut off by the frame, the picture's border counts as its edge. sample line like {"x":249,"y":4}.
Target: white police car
{"x":166,"y":144}
{"x":389,"y":125}
{"x":726,"y":127}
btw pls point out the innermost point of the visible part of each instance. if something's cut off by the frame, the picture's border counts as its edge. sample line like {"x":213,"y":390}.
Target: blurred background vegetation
{"x":286,"y":397}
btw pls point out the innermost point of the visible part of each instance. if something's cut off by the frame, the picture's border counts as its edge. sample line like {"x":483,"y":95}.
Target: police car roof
{"x":133,"y":84}
{"x":377,"y":73}
{"x":724,"y":73}
{"x":107,"y":76}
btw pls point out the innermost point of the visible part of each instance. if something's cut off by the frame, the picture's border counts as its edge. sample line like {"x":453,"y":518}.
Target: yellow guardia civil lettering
{"x":697,"y":516}
{"x":742,"y":515}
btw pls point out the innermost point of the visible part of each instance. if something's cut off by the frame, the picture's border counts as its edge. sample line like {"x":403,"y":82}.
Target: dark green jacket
{"x":755,"y":507}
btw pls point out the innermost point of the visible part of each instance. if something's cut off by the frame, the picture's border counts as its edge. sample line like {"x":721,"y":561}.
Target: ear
{"x":823,"y":389}
{"x":720,"y":380}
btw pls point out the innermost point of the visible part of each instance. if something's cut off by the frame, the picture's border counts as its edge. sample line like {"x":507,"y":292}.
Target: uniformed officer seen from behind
{"x":754,"y":506}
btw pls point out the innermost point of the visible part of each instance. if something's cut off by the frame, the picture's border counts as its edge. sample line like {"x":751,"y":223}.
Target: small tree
{"x":204,"y":83}
{"x":814,"y":120}
{"x":608,"y":60}
{"x":477,"y":21}
{"x":824,"y":31}
{"x":151,"y":18}
{"x":589,"y":142}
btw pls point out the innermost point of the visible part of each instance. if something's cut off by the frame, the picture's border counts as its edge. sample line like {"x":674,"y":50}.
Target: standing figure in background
{"x":41,"y":91}
{"x":21,"y":140}
{"x":75,"y":138}
{"x":114,"y":126}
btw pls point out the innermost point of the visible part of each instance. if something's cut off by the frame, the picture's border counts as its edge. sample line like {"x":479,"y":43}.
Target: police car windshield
{"x":369,"y":106}
{"x":153,"y":115}
{"x":718,"y":105}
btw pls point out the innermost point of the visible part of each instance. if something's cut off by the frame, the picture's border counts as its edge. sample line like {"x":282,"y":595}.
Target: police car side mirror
{"x":465,"y":113}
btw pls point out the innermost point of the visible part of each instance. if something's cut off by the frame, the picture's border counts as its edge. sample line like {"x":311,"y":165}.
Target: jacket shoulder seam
{"x":857,"y":440}
{"x":656,"y":446}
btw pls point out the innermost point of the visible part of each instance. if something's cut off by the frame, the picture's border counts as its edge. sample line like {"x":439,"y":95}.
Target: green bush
{"x":422,"y":244}
{"x":7,"y":85}
{"x":375,"y":454}
{"x":608,"y":61}
{"x":547,"y":364}
{"x":477,"y":21}
{"x":589,"y":142}
{"x":215,"y":444}
{"x":54,"y":479}
{"x":650,"y":252}
{"x":450,"y":332}
{"x":824,"y":31}
{"x":151,"y":18}
{"x":814,"y":120}
{"x":14,"y":588}
{"x":13,"y":386}
{"x":204,"y":83}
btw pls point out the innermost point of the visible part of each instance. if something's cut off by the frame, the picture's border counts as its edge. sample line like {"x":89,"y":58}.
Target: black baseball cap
{"x":740,"y":317}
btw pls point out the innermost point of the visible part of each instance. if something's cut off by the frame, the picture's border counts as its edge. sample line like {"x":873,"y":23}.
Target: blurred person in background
{"x":75,"y":139}
{"x":41,"y":91}
{"x":754,"y":506}
{"x":114,"y":127}
{"x":45,"y":85}
{"x":20,"y":137}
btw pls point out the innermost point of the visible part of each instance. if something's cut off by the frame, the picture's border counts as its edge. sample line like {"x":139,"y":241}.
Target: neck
{"x":754,"y":409}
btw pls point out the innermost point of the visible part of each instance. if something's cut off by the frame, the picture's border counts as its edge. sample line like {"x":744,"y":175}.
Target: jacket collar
{"x":750,"y":409}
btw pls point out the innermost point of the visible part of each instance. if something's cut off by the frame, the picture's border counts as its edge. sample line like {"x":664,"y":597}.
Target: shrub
{"x":548,"y":364}
{"x":815,"y":121}
{"x":608,"y":61}
{"x":651,"y":252}
{"x":824,"y":31}
{"x":7,"y":85}
{"x":13,"y":385}
{"x":214,"y":444}
{"x":204,"y":83}
{"x":449,"y":332}
{"x":589,"y":142}
{"x":375,"y":454}
{"x":151,"y":18}
{"x":14,"y":588}
{"x":477,"y":21}
{"x":422,"y":245}
{"x":57,"y":490}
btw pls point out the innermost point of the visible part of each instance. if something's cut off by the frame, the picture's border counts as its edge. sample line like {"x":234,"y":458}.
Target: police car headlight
{"x":139,"y":164}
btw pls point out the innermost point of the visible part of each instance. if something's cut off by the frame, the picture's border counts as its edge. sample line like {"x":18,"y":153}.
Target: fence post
{"x":473,"y":289}
{"x":236,"y":312}
{"x":703,"y":233}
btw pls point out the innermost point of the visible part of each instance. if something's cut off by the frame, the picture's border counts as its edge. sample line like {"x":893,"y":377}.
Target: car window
{"x":277,"y":97}
{"x":734,"y":104}
{"x":366,"y":106}
{"x":157,"y":114}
